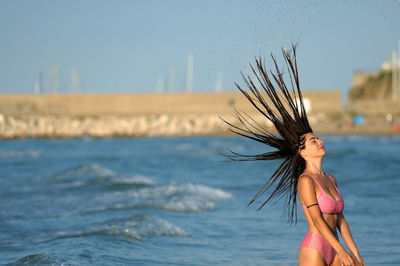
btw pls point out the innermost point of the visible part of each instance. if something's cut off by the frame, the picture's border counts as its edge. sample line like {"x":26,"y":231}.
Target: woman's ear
{"x":303,"y":153}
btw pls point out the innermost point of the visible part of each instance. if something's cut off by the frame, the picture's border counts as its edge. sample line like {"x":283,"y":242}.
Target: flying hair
{"x":284,"y":108}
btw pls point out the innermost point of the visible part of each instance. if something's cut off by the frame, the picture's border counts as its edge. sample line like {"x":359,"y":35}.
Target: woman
{"x":323,"y":212}
{"x":301,"y":171}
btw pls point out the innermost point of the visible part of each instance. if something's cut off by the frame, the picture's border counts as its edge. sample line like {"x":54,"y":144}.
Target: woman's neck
{"x":314,"y":167}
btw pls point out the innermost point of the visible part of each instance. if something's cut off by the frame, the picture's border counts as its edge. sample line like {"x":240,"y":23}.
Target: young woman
{"x":300,"y":173}
{"x":323,"y":206}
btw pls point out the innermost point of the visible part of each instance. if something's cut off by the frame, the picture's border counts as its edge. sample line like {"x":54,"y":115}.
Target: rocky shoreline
{"x":154,"y":126}
{"x":142,"y":114}
{"x":109,"y":126}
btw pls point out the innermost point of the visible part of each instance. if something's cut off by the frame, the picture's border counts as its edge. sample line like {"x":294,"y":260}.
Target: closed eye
{"x":313,"y":139}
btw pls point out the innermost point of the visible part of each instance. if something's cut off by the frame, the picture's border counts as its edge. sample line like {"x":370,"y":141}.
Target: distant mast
{"x":160,"y":83}
{"x":189,"y":72}
{"x":219,"y":82}
{"x":36,"y":87}
{"x":171,"y":79}
{"x":42,"y":88}
{"x":76,"y":81}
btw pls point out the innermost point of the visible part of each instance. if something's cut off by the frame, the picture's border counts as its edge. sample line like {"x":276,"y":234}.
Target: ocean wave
{"x":136,"y":227}
{"x":37,"y":259}
{"x":133,"y":180}
{"x":119,"y":192}
{"x":116,"y":182}
{"x":174,"y":196}
{"x":94,"y":174}
{"x":181,"y":197}
{"x":86,"y":170}
{"x":93,"y":189}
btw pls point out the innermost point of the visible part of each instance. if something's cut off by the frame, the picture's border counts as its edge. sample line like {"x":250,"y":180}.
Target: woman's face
{"x":314,"y":147}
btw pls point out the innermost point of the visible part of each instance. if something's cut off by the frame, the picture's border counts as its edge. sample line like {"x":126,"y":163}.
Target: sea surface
{"x":177,"y":201}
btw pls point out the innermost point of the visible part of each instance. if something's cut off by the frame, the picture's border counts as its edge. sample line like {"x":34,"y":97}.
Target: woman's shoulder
{"x":306,"y":176}
{"x":305,"y":185}
{"x":305,"y":179}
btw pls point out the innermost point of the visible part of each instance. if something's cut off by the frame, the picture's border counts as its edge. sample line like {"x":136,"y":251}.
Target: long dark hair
{"x":285,"y":109}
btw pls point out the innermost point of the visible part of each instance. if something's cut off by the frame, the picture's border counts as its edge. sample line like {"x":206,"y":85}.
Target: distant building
{"x":359,"y":77}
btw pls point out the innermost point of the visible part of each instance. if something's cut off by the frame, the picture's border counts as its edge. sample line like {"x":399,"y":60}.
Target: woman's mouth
{"x":322,"y":147}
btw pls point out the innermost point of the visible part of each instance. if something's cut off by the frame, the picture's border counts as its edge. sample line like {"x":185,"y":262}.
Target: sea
{"x":179,"y":201}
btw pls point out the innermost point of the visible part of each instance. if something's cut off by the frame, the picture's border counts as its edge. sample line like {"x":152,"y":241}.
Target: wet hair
{"x":284,"y":108}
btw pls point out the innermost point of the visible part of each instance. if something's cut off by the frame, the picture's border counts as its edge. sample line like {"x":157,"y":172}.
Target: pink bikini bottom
{"x":317,"y":241}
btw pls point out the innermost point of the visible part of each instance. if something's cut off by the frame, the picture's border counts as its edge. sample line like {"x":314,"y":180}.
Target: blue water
{"x":175,"y":201}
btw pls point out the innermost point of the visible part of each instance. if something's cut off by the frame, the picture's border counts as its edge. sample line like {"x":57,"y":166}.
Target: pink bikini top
{"x":325,"y":202}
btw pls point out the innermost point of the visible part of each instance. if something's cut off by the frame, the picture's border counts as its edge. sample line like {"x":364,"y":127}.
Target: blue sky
{"x":123,"y":46}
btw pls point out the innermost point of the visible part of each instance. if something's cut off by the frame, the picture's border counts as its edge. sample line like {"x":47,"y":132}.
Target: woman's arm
{"x":307,"y":194}
{"x":344,"y":230}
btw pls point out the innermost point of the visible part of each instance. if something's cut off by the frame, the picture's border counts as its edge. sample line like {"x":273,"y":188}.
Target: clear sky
{"x":123,"y":46}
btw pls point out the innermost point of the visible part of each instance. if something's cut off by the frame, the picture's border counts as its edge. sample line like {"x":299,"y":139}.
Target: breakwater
{"x":110,"y":126}
{"x":135,"y":115}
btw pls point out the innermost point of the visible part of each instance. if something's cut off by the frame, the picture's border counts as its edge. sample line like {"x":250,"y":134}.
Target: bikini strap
{"x":314,"y":181}
{"x":322,"y":191}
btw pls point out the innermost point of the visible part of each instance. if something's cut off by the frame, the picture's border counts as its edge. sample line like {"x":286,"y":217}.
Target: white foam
{"x":151,"y":225}
{"x":180,"y":197}
{"x":135,"y":227}
{"x":124,"y":194}
{"x":89,"y":170}
{"x":135,"y":179}
{"x":174,"y":196}
{"x":100,"y":174}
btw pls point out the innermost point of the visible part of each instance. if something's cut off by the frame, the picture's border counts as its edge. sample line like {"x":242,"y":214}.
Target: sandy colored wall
{"x":359,"y":78}
{"x":374,"y":107}
{"x":147,"y":103}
